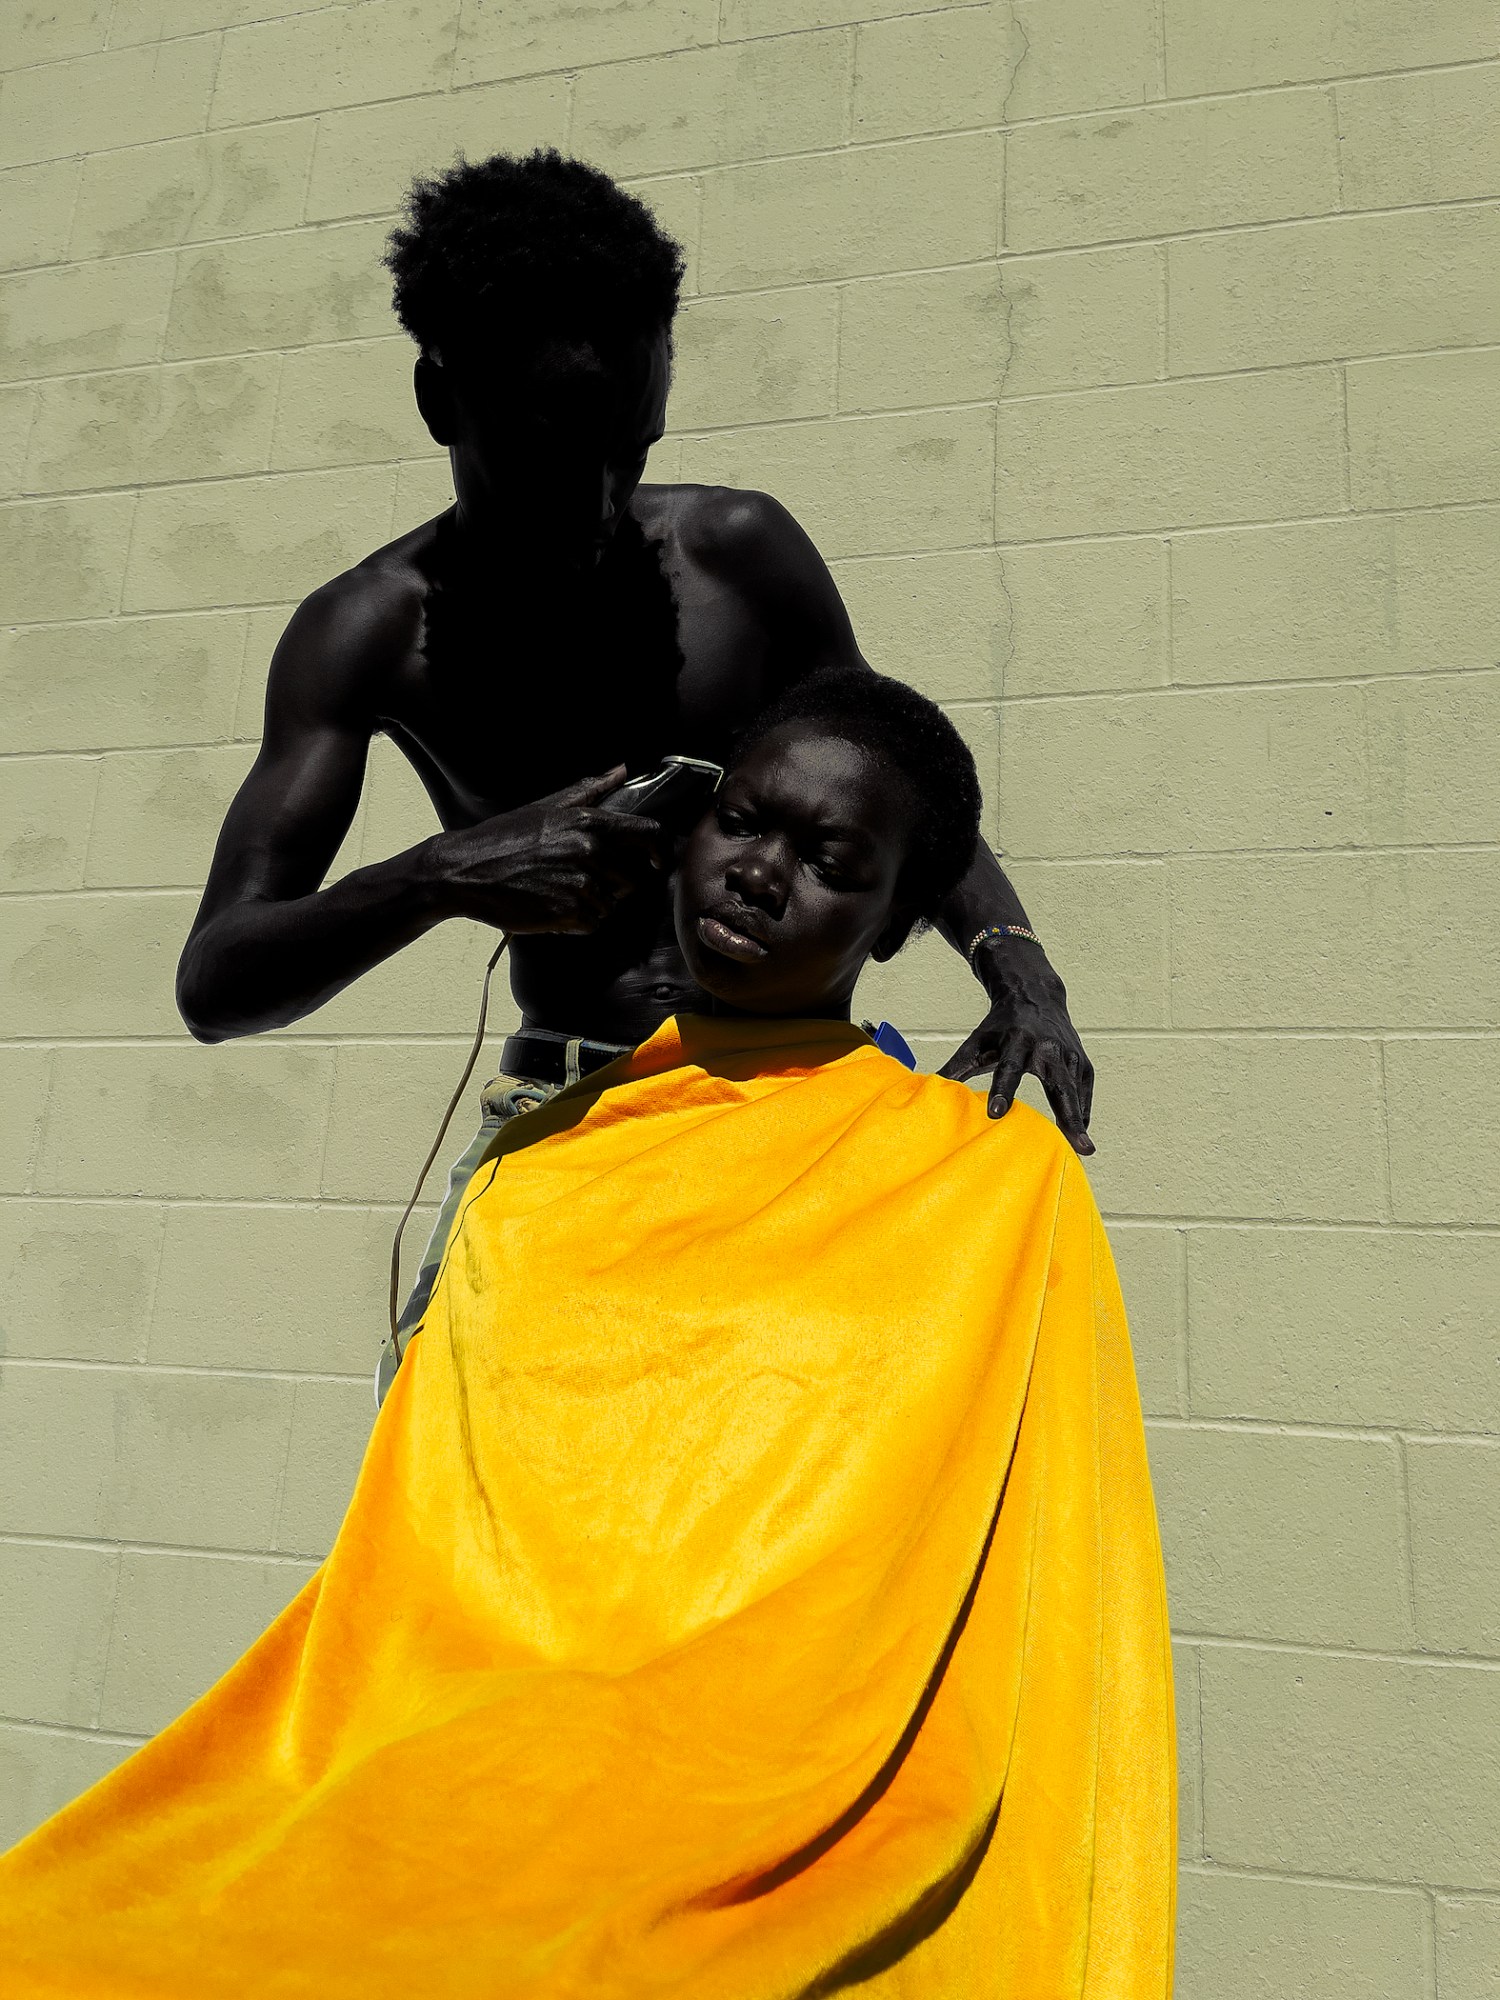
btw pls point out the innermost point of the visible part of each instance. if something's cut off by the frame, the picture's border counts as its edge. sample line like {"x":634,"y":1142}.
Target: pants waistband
{"x":553,"y":1058}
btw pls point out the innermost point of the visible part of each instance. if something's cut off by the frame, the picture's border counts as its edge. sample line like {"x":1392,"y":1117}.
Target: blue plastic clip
{"x":891,"y":1042}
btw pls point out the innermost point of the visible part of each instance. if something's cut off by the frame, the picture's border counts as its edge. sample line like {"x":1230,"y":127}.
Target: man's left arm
{"x":1027,"y":1028}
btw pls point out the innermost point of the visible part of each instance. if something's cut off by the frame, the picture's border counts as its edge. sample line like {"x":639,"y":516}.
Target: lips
{"x":731,"y":934}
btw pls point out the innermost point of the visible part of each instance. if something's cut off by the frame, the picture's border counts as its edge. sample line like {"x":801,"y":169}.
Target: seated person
{"x":752,"y":1586}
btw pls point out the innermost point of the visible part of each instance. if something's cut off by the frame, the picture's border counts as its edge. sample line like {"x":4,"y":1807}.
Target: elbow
{"x":198,"y":1002}
{"x":205,"y":1031}
{"x":199,"y":1019}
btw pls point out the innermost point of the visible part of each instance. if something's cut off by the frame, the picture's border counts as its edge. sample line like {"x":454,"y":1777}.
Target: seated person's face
{"x":547,"y":456}
{"x":788,"y":883}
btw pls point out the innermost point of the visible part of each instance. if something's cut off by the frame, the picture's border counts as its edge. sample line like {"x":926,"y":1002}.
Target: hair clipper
{"x":677,"y":792}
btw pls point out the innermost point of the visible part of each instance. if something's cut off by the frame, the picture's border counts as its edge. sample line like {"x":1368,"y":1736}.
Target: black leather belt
{"x":542,"y":1054}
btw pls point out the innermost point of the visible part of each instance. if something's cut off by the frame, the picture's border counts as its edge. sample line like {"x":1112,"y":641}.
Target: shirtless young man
{"x":561,"y":624}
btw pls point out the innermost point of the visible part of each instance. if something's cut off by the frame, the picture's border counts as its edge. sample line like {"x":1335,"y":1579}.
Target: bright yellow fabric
{"x":752,"y":1590}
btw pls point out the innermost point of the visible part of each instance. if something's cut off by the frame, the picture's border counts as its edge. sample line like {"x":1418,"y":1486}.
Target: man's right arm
{"x":268,"y":945}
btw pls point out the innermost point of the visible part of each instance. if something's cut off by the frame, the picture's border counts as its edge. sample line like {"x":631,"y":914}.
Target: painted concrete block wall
{"x":1137,"y":365}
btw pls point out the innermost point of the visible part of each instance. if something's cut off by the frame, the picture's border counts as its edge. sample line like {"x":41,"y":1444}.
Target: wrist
{"x":1006,"y":965}
{"x":1001,"y":937}
{"x":424,"y":877}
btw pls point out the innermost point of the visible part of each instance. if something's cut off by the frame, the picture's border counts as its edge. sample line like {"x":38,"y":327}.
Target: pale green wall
{"x":1137,"y":363}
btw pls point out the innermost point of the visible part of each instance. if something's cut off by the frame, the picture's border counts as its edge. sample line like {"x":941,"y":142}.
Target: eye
{"x":731,"y":820}
{"x":828,"y":870}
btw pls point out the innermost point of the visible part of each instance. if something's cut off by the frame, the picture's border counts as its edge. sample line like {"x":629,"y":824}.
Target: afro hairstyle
{"x":517,"y":251}
{"x":912,"y":735}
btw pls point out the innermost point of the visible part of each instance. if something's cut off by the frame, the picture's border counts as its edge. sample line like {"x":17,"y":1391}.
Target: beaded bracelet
{"x":1000,"y":930}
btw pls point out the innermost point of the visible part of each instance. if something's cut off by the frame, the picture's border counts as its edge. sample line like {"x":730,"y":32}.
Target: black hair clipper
{"x":677,"y":792}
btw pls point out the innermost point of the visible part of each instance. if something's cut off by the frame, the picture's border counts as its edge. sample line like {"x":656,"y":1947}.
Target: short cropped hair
{"x":519,"y":250}
{"x":913,"y":736}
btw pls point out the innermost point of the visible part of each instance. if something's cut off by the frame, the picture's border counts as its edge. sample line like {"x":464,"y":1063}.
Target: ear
{"x":895,"y":932}
{"x":430,"y":382}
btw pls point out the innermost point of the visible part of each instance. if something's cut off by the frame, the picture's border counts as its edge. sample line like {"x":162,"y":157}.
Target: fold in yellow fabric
{"x":751,"y":1590}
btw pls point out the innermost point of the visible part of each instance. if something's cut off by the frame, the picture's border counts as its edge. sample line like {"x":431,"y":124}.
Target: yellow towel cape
{"x":751,"y":1590}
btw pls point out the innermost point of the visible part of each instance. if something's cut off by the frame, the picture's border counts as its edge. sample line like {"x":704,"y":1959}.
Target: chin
{"x":720,"y":979}
{"x":749,"y":995}
{"x":708,"y":975}
{"x":584,"y":560}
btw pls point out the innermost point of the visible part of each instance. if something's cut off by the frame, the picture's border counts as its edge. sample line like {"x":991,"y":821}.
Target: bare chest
{"x":493,"y":711}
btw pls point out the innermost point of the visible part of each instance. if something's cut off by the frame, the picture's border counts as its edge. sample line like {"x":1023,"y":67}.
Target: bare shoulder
{"x":734,"y":529}
{"x":746,"y":543}
{"x":349,"y":638}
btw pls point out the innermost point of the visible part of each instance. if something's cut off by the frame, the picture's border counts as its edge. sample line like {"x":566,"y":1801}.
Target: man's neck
{"x":483,"y":556}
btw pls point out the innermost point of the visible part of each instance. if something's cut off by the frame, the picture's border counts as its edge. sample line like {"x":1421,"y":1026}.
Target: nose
{"x":758,"y":874}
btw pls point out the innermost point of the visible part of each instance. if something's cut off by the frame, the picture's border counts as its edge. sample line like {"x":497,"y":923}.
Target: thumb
{"x":966,"y":1061}
{"x":587,"y":791}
